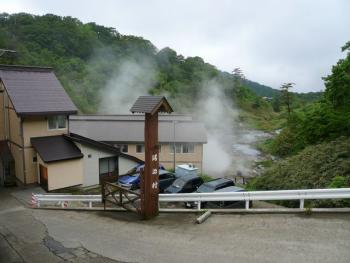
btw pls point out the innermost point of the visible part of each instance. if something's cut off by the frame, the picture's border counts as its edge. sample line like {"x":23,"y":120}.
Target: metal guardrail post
{"x":301,"y":203}
{"x":199,"y":205}
{"x":246,"y":204}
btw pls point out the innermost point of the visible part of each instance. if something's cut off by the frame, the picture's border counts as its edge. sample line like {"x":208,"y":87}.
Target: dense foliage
{"x":86,"y":56}
{"x":326,"y":165}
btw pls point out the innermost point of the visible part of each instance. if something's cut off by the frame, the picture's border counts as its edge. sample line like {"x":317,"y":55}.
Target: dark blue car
{"x":133,"y":181}
{"x":142,"y":166}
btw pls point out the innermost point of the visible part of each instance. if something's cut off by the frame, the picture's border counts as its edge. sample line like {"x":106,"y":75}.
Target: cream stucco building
{"x":35,"y":144}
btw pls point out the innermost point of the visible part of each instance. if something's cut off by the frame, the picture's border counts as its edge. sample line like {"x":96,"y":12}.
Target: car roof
{"x":161,"y":171}
{"x":164,"y":172}
{"x":231,"y":189}
{"x":189,"y":177}
{"x":218,"y":181}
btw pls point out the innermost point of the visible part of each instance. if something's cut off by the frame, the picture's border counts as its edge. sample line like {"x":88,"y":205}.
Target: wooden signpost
{"x":151,"y":106}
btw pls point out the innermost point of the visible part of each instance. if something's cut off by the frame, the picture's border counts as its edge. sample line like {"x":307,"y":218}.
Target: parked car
{"x":142,"y":166}
{"x":229,"y":204}
{"x":209,"y":187}
{"x":138,"y":167}
{"x":184,"y":184}
{"x":166,"y":178}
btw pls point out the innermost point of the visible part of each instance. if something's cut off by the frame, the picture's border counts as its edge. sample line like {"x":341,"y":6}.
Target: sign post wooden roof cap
{"x":151,"y":105}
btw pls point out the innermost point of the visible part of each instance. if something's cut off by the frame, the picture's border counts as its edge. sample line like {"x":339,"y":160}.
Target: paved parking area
{"x":23,"y":238}
{"x":121,"y":236}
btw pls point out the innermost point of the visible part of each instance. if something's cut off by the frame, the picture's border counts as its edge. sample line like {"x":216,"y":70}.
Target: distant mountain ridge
{"x":261,"y":90}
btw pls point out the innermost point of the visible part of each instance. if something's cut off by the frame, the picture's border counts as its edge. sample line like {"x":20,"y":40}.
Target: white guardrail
{"x":301,"y":195}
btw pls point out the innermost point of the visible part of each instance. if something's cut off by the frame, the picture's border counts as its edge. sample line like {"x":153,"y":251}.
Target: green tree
{"x":338,"y":83}
{"x":238,"y":77}
{"x":287,"y":95}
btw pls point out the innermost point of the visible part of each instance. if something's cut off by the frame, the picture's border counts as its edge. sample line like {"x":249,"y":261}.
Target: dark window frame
{"x":109,"y":173}
{"x":142,"y":148}
{"x":55,"y":120}
{"x":124,"y":148}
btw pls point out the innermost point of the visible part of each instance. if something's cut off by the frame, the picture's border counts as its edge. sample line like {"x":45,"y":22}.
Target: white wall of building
{"x":91,"y":163}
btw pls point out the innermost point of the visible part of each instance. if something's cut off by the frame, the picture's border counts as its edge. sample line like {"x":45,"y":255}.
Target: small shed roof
{"x":55,"y":148}
{"x":100,"y":145}
{"x":151,"y":104}
{"x":35,"y":91}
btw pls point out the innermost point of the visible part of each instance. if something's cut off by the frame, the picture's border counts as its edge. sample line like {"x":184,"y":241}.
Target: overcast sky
{"x":271,"y":41}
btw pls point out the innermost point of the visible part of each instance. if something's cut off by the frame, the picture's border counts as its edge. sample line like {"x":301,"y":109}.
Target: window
{"x":182,"y":148}
{"x":188,"y":148}
{"x":177,"y":146}
{"x":57,"y":122}
{"x":122,"y":147}
{"x":108,"y":167}
{"x":140,"y":148}
{"x":35,"y":159}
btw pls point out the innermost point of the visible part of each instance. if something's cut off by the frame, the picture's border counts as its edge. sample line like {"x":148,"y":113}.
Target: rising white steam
{"x":225,"y":152}
{"x":131,"y":80}
{"x":218,"y":114}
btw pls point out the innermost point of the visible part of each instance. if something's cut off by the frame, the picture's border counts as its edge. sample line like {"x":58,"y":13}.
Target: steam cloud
{"x":131,"y":80}
{"x":218,"y":115}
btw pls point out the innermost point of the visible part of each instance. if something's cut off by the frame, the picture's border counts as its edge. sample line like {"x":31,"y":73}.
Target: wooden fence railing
{"x":115,"y":194}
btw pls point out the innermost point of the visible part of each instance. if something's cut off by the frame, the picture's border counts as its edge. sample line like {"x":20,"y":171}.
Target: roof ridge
{"x":25,"y":68}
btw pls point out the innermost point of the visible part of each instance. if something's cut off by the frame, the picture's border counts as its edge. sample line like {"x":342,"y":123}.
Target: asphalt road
{"x":175,"y":238}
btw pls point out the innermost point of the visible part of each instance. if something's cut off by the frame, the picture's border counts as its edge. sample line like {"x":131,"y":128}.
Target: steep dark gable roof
{"x":151,"y":104}
{"x":35,"y":91}
{"x":55,"y":148}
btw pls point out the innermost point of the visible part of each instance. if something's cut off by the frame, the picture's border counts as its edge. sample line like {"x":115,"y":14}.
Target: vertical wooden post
{"x":150,"y":175}
{"x":150,"y":105}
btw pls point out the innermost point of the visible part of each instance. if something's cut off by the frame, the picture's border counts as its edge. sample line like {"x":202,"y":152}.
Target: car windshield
{"x":179,"y":183}
{"x":204,"y":188}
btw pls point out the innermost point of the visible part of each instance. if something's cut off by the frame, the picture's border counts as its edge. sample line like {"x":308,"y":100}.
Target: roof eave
{"x":100,"y":145}
{"x":63,"y":159}
{"x":46,"y":113}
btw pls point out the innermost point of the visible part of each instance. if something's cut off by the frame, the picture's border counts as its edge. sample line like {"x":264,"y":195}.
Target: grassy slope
{"x":317,"y":166}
